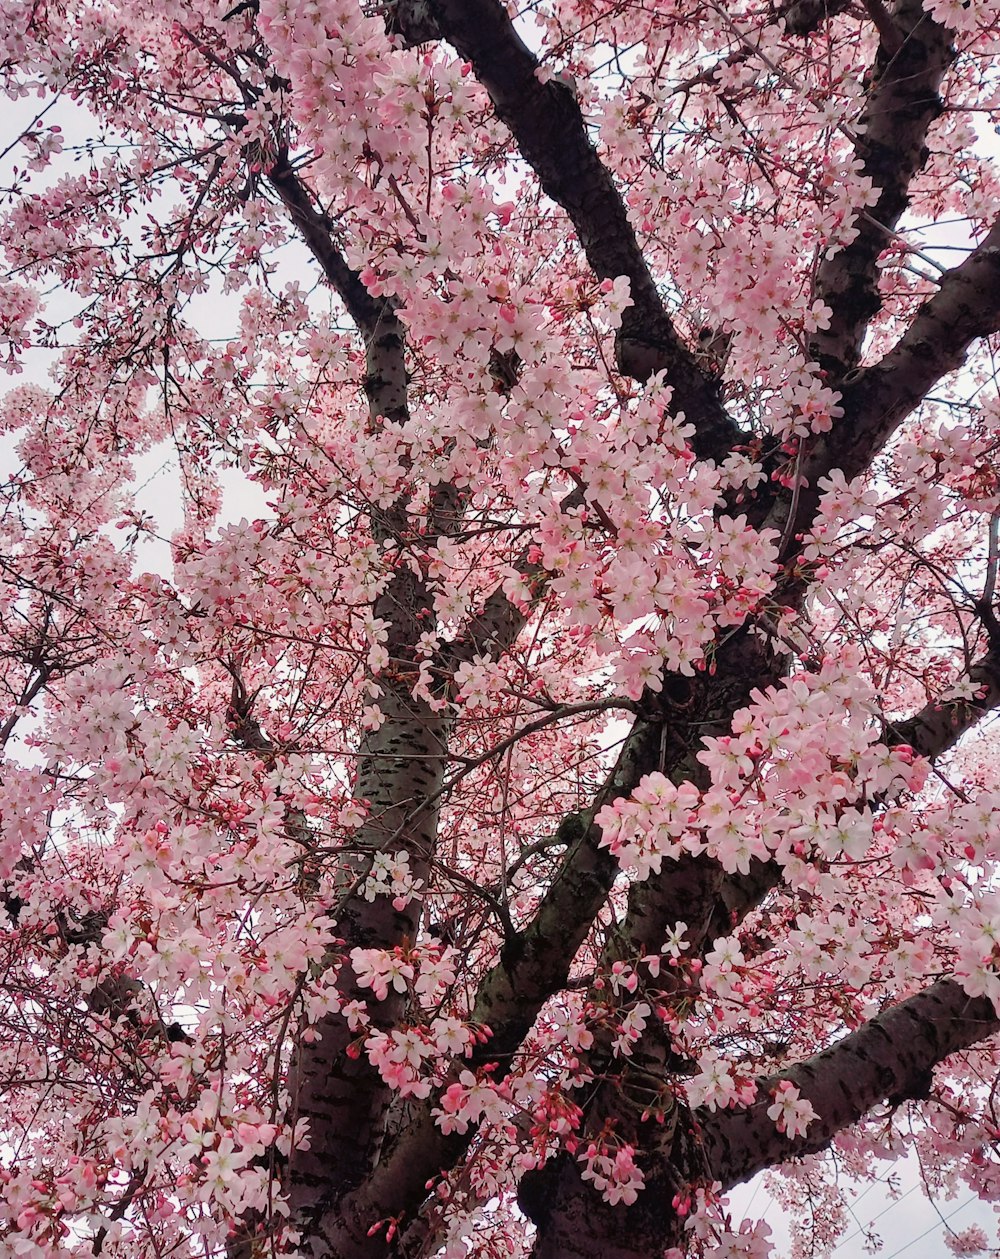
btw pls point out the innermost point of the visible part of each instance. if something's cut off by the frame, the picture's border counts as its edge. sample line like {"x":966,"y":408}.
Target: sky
{"x":909,"y":1224}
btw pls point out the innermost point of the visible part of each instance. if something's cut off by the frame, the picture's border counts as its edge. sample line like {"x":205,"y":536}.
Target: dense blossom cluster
{"x":345,"y":626}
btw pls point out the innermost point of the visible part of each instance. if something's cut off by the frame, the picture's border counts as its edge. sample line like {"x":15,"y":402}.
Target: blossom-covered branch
{"x":875,"y":400}
{"x":891,"y":146}
{"x":892,"y":1057}
{"x":497,"y":375}
{"x":545,"y":120}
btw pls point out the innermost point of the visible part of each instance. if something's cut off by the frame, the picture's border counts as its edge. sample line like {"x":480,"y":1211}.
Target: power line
{"x":861,"y":1228}
{"x":934,"y":1227}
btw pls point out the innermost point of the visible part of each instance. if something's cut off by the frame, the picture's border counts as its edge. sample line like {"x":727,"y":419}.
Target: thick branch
{"x":547,"y":124}
{"x":399,"y":767}
{"x":892,"y":1056}
{"x":802,"y":17}
{"x":965,"y":308}
{"x":902,"y":104}
{"x":532,"y":966}
{"x":695,"y":890}
{"x":317,"y":230}
{"x":877,"y":399}
{"x":941,"y":723}
{"x":536,"y":963}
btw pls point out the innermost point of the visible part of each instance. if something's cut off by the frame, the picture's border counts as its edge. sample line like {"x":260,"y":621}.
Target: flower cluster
{"x":612,"y":1170}
{"x":792,"y":1114}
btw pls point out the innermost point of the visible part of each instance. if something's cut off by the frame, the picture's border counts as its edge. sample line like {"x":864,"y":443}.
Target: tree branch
{"x":399,"y":765}
{"x":877,"y":399}
{"x":803,"y":17}
{"x":901,"y":105}
{"x":317,"y":231}
{"x":941,"y":723}
{"x":532,"y":966}
{"x":495,"y":628}
{"x":892,"y":1056}
{"x":547,"y":124}
{"x":536,"y":963}
{"x":697,"y":891}
{"x":965,"y":308}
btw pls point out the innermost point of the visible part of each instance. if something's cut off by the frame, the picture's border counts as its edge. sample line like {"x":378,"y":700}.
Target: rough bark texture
{"x":546,"y":122}
{"x":400,"y":771}
{"x":365,"y":1165}
{"x":890,"y":1058}
{"x":902,"y":104}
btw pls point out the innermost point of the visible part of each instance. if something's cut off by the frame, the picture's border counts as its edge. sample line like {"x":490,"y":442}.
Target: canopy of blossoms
{"x":570,"y":788}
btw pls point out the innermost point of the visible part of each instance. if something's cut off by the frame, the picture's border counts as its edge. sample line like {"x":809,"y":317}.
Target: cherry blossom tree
{"x":574,"y":791}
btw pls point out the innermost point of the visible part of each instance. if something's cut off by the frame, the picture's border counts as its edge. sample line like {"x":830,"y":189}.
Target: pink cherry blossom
{"x":500,"y":638}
